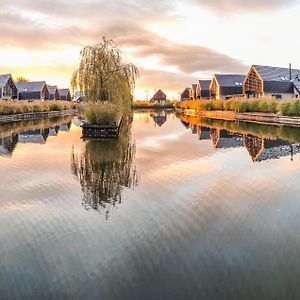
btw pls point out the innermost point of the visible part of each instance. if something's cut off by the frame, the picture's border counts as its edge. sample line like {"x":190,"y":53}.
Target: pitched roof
{"x":52,"y":88}
{"x":159,"y":95}
{"x":64,"y":92}
{"x":205,"y":84}
{"x":268,"y":73}
{"x":230,"y":80}
{"x":194,"y":87}
{"x":3,"y":79}
{"x":34,"y":86}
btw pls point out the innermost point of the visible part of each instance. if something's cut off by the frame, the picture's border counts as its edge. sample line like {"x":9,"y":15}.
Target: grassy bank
{"x":285,"y":108}
{"x":21,"y":107}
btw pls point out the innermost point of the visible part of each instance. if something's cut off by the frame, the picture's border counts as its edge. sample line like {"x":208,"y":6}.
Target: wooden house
{"x":272,"y":82}
{"x":65,"y":94}
{"x":53,"y":92}
{"x":193,"y":90}
{"x":202,"y":91}
{"x":227,"y":86}
{"x":185,"y":95}
{"x":159,"y":98}
{"x":8,"y":89}
{"x":32,"y":91}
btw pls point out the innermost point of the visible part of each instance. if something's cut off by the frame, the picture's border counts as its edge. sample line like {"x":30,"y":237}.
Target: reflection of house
{"x":38,"y":136}
{"x":159,"y":98}
{"x":193,"y":91}
{"x":272,"y":82}
{"x":262,"y":149}
{"x":65,"y":127}
{"x":159,"y":118}
{"x":203,"y":91}
{"x":64,"y":94}
{"x":8,"y":89}
{"x":54,"y":131}
{"x":203,"y":133}
{"x":8,"y":145}
{"x":224,"y":139}
{"x":36,"y":90}
{"x":226,"y":86}
{"x":194,"y":129}
{"x":53,"y":92}
{"x":185,"y":124}
{"x":185,"y":95}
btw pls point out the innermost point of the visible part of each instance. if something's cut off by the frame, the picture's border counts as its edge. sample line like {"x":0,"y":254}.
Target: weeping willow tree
{"x":104,"y":168}
{"x":104,"y":77}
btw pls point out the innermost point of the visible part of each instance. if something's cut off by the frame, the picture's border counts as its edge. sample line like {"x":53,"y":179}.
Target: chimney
{"x":290,"y":67}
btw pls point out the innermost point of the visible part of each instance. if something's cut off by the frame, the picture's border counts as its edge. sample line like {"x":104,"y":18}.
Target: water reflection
{"x":263,"y":142}
{"x":104,"y":168}
{"x":33,"y":132}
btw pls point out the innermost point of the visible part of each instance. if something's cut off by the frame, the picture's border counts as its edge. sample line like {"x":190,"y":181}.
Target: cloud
{"x":248,"y":6}
{"x":50,"y":25}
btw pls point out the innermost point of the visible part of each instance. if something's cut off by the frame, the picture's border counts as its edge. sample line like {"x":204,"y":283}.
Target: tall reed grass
{"x":20,"y":107}
{"x":101,"y":113}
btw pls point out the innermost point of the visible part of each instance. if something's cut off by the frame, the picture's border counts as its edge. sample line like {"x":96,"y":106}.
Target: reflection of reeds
{"x":287,"y":133}
{"x":31,"y":125}
{"x":103,"y":169}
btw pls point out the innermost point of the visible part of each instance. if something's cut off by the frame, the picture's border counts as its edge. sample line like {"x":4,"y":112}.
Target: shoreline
{"x":259,"y":118}
{"x":36,"y":115}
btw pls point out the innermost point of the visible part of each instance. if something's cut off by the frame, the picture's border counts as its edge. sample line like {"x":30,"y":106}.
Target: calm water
{"x":176,"y":209}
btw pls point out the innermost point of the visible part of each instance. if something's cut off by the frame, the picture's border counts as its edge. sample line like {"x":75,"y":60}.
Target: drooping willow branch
{"x":103,"y":76}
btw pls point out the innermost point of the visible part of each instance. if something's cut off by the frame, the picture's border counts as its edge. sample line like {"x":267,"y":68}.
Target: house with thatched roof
{"x":202,"y":90}
{"x":65,"y":94}
{"x":159,"y":98}
{"x":185,"y":95}
{"x":272,"y":82}
{"x":8,"y":89}
{"x":227,"y":86}
{"x":53,"y":92}
{"x":32,"y":91}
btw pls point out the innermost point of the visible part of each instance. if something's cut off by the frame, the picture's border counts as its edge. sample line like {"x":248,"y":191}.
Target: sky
{"x":173,"y":43}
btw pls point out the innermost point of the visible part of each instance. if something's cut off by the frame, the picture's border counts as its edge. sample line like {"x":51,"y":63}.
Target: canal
{"x":177,"y":208}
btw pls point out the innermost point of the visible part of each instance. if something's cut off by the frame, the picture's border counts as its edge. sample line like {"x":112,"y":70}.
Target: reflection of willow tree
{"x":104,"y":168}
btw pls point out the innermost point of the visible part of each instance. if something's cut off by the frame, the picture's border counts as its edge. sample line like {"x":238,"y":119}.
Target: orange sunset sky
{"x":173,"y":43}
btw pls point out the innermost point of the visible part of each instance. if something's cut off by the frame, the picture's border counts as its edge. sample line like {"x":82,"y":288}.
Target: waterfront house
{"x":193,"y":90}
{"x":65,"y":94}
{"x":227,"y":86}
{"x":272,"y":82}
{"x":8,"y":89}
{"x":32,"y":91}
{"x":53,"y":92}
{"x":202,"y":91}
{"x":159,"y":98}
{"x":185,"y":95}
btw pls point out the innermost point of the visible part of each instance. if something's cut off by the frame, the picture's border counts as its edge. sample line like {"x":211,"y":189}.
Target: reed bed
{"x":21,"y":107}
{"x":102,"y":113}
